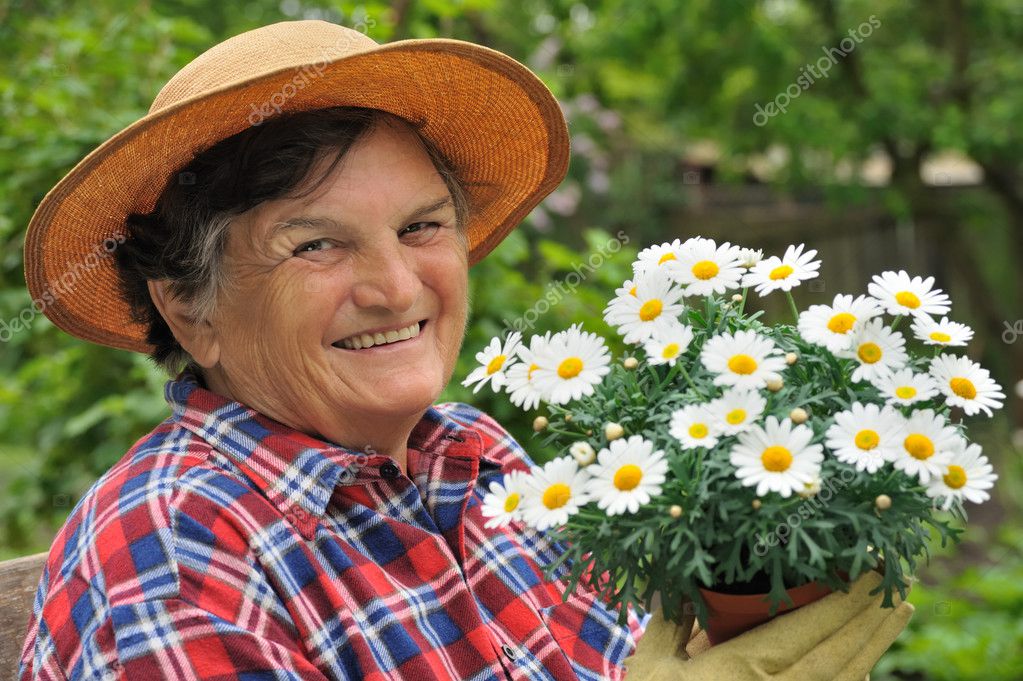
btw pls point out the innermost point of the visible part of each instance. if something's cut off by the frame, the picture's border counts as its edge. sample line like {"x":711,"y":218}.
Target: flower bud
{"x":774,"y":384}
{"x":630,"y":363}
{"x":798,"y":415}
{"x":756,"y":504}
{"x":791,"y":358}
{"x":737,"y":298}
{"x":582,"y":452}
{"x":613,"y":431}
{"x":540,"y":423}
{"x":811,"y":489}
{"x":883,"y":502}
{"x":675,"y":511}
{"x":568,"y":417}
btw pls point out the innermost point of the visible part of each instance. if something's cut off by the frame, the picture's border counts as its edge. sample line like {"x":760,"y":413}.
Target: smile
{"x":361,"y":341}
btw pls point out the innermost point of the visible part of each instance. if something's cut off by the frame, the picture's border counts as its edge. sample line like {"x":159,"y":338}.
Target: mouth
{"x":380,"y":339}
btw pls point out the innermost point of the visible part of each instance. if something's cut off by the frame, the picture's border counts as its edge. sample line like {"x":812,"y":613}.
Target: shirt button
{"x":509,"y":651}
{"x":389,"y":470}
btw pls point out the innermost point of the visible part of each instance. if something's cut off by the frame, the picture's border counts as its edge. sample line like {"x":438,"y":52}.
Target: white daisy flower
{"x":736,"y":410}
{"x":702,"y":267}
{"x":554,"y":492}
{"x":966,"y":476}
{"x":666,"y":348}
{"x":785,"y":273}
{"x":653,"y":257}
{"x":901,"y":295}
{"x":866,"y":436}
{"x":878,"y":349}
{"x":522,"y":389}
{"x":570,"y":365}
{"x":627,"y":475}
{"x":743,"y":359}
{"x":503,"y":503}
{"x":927,"y":443}
{"x":966,"y":384}
{"x":495,"y":360}
{"x":777,"y":457}
{"x":905,"y":387}
{"x":693,"y":427}
{"x":748,"y":257}
{"x":654,"y":308}
{"x":832,"y":325}
{"x":943,"y":333}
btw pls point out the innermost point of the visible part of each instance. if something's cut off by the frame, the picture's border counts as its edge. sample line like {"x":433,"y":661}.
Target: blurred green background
{"x":885,"y":134}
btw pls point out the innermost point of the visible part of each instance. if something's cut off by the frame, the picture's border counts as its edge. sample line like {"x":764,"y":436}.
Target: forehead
{"x":384,"y":176}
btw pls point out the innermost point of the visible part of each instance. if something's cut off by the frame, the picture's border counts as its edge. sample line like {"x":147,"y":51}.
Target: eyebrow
{"x":312,"y":222}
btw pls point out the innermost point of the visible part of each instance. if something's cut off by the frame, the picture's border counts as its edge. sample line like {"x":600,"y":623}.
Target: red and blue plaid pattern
{"x":225,"y":545}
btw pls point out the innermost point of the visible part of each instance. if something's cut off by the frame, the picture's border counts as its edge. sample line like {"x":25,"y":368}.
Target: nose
{"x":387,"y":277}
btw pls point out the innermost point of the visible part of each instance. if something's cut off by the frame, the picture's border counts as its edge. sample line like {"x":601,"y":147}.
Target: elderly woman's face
{"x":373,"y":251}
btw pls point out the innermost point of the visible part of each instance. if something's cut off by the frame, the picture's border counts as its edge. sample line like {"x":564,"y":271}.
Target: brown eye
{"x":312,"y":246}
{"x":420,"y":231}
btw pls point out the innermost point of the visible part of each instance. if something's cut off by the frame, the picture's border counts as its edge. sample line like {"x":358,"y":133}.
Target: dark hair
{"x":183,"y":239}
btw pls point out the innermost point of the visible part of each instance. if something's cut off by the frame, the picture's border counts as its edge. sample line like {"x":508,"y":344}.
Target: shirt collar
{"x":297,"y":472}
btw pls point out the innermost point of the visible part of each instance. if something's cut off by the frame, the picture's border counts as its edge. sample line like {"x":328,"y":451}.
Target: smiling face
{"x":373,"y":250}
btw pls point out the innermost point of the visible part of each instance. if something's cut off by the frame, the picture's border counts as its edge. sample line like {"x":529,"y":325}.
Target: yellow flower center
{"x":841,"y":322}
{"x":867,"y":439}
{"x":495,"y":364}
{"x":632,"y":291}
{"x":742,"y":364}
{"x":570,"y":367}
{"x":776,"y":459}
{"x":698,"y":431}
{"x":919,"y":446}
{"x":781,"y":272}
{"x":940,"y":337}
{"x":869,"y":353}
{"x":670,"y":351}
{"x":905,"y":392}
{"x":963,"y":387}
{"x":511,"y":502}
{"x":907,"y":299}
{"x":529,"y":374}
{"x":736,"y":416}
{"x":705,"y":269}
{"x":628,"y":476}
{"x":667,"y":256}
{"x":650,"y":310}
{"x":956,"y":476}
{"x":557,"y":495}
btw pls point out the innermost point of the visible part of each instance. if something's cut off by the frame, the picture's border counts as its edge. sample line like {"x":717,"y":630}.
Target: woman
{"x":292,"y":227}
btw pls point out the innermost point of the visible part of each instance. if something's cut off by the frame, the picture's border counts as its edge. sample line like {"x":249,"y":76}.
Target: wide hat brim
{"x":490,"y":115}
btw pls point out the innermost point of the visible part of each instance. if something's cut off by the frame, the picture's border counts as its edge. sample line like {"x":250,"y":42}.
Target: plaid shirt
{"x":225,"y":545}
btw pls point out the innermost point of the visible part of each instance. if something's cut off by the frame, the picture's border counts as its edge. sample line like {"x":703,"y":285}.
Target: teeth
{"x":365,"y":340}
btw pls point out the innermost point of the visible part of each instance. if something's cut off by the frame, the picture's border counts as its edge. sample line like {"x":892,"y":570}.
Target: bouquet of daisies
{"x":728,"y":454}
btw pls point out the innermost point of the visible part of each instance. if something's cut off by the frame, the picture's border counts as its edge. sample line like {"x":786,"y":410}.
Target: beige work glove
{"x":838,"y":638}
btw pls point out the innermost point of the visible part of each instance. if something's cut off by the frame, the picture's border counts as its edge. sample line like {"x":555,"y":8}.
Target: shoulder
{"x":128,"y":536}
{"x":498,"y":443}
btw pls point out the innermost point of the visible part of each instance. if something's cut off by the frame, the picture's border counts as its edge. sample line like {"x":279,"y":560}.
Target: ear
{"x":198,"y":338}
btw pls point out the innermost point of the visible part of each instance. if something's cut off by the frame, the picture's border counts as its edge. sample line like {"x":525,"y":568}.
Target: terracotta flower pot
{"x":733,"y":614}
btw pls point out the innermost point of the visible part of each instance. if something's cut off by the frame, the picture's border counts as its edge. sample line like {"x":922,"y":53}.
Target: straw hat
{"x":492,"y":117}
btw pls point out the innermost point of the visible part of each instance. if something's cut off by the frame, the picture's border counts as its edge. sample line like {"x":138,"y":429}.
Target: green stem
{"x":895,"y":322}
{"x":792,"y":304}
{"x":688,"y":378}
{"x":742,"y":303}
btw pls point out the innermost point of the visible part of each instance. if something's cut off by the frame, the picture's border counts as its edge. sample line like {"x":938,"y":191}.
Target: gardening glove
{"x":838,"y":638}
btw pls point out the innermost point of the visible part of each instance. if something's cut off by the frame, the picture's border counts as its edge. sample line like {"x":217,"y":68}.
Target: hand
{"x":838,"y":638}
